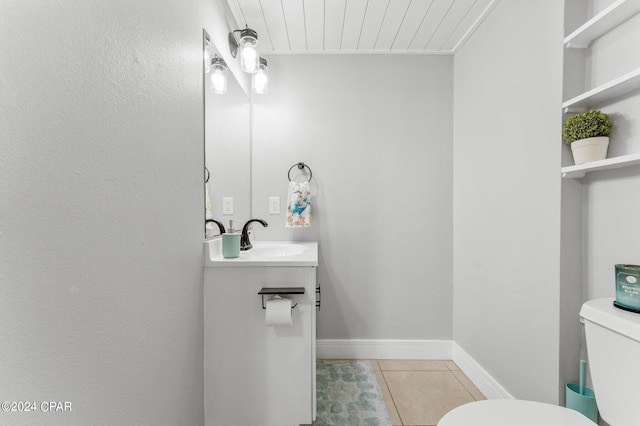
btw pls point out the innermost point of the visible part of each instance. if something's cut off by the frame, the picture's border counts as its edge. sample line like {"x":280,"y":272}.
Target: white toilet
{"x":613,"y":345}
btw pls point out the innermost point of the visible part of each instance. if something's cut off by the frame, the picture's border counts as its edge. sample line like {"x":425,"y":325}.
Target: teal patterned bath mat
{"x":348,"y":395}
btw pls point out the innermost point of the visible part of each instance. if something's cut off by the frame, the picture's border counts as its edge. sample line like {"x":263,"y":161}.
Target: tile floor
{"x":419,"y":393}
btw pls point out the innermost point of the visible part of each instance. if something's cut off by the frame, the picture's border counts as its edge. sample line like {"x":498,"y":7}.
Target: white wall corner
{"x":478,"y":375}
{"x":383,"y":349}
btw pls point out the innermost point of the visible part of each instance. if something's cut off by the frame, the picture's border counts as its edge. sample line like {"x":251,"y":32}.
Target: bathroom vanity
{"x":258,"y":374}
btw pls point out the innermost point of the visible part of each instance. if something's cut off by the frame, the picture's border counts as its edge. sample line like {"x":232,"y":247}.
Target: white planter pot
{"x":590,"y":149}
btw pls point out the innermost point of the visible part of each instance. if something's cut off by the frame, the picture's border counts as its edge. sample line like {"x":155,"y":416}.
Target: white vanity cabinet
{"x":257,"y":374}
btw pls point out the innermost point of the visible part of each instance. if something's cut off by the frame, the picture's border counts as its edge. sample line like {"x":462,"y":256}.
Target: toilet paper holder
{"x":276,"y":291}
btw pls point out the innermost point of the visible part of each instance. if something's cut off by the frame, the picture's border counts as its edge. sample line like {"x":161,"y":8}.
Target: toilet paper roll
{"x":278,"y":311}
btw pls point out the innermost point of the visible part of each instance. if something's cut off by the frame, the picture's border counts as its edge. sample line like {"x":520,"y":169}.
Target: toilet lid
{"x":511,"y":412}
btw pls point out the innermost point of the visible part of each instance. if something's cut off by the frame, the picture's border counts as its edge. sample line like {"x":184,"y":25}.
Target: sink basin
{"x":276,"y":250}
{"x":264,"y":253}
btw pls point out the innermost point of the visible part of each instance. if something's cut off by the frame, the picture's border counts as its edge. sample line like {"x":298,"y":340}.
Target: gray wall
{"x":101,"y":217}
{"x":376,"y":131}
{"x":507,"y":95}
{"x":612,"y":208}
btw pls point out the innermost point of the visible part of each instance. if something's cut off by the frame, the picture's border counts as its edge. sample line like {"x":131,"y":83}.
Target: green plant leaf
{"x":586,"y":125}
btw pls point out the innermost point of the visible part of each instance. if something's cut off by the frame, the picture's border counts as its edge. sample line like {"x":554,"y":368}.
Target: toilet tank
{"x":613,"y":345}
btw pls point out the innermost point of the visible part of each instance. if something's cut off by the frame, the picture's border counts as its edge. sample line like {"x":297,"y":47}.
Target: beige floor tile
{"x":423,"y":397}
{"x":411,"y":364}
{"x":374,"y":364}
{"x":468,"y":385}
{"x":388,"y":401}
{"x":451,"y":365}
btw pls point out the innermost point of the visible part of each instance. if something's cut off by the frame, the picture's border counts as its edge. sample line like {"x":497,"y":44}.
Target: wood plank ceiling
{"x":361,"y":26}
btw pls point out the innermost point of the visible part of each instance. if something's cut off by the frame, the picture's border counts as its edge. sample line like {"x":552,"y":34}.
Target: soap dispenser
{"x":231,"y":242}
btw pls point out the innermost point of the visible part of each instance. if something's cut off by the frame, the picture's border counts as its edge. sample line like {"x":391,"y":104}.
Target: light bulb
{"x":260,"y":79}
{"x":248,"y":53}
{"x":218,"y":82}
{"x":218,"y":76}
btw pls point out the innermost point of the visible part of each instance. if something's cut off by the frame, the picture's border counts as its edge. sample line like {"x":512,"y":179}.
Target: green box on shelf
{"x":628,"y":287}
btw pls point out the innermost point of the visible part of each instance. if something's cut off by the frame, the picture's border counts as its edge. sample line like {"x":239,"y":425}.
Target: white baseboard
{"x":478,"y":375}
{"x":413,"y":349}
{"x":383,"y":349}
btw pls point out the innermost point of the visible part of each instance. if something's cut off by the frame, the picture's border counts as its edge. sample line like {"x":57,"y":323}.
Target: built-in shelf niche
{"x":611,"y":17}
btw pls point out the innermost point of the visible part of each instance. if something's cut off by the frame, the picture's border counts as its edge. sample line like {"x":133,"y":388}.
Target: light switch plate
{"x":227,"y":205}
{"x":274,"y":205}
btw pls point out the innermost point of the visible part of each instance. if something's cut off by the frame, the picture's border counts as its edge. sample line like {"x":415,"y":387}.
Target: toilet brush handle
{"x":583,"y":365}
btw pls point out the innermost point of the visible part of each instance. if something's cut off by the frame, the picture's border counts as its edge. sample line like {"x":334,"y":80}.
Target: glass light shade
{"x":260,"y":79}
{"x":218,"y":75}
{"x":260,"y":82}
{"x":248,"y":54}
{"x":218,"y":81}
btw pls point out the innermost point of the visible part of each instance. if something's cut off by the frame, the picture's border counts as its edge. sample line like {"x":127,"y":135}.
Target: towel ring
{"x":301,"y":166}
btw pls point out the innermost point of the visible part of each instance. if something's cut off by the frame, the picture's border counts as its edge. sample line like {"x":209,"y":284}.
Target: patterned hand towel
{"x":298,"y":205}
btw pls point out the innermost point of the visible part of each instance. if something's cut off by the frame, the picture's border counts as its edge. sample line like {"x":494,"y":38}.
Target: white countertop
{"x":308,"y":255}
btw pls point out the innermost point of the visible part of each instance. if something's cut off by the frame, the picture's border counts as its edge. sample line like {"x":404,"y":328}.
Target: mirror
{"x":227,"y":119}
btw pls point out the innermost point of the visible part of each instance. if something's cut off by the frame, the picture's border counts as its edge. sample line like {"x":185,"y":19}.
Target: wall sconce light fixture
{"x":260,"y":79}
{"x":218,"y":75}
{"x":249,"y":59}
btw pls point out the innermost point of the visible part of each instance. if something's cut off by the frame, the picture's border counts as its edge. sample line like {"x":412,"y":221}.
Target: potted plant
{"x":588,"y":135}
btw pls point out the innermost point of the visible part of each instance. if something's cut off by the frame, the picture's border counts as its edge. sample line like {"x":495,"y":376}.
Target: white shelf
{"x":610,"y":163}
{"x":610,"y":90}
{"x":602,"y":23}
{"x":614,"y":15}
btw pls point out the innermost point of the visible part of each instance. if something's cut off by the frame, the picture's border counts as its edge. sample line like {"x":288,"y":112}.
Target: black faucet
{"x":245,"y":243}
{"x":220,"y":225}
